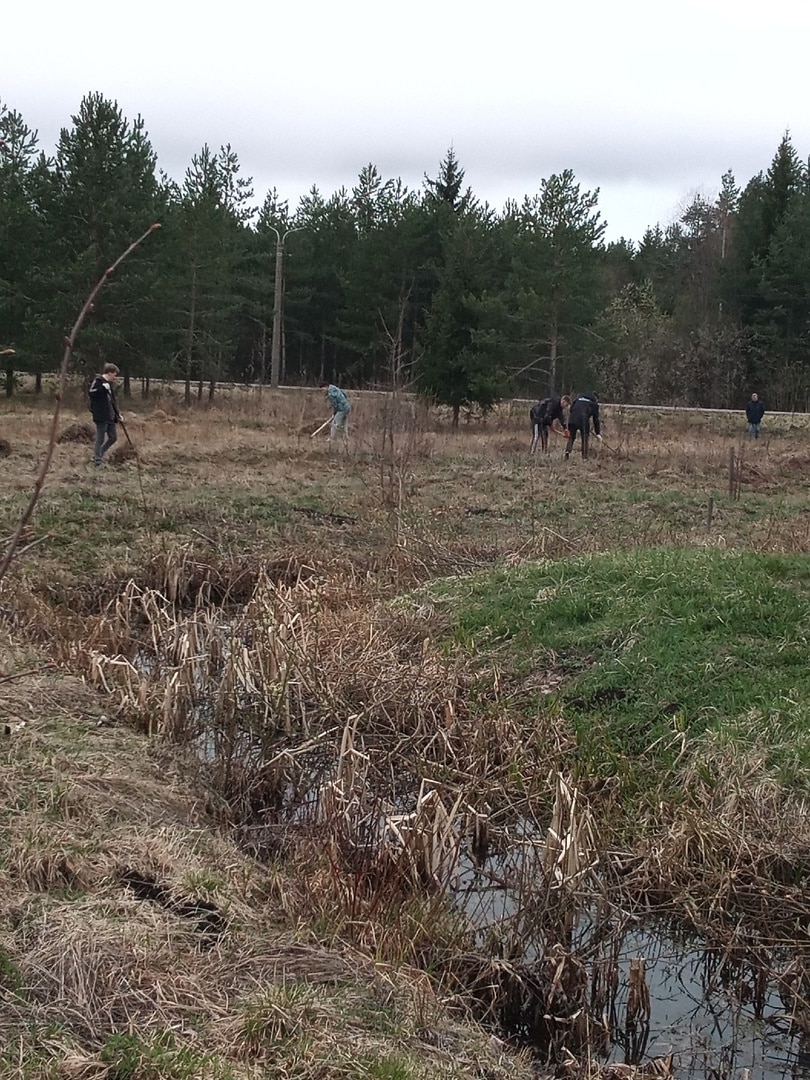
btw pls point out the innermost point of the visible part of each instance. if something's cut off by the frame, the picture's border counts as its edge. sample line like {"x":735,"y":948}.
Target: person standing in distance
{"x":340,"y":411}
{"x":754,"y":411}
{"x":584,"y":411}
{"x":104,"y":409}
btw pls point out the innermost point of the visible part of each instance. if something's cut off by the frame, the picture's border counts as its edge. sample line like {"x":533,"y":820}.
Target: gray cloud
{"x":648,"y":102}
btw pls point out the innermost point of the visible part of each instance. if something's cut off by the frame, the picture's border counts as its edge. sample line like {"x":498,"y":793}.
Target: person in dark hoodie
{"x":584,"y":412}
{"x":754,"y":411}
{"x":105,"y":412}
{"x":543,"y":416}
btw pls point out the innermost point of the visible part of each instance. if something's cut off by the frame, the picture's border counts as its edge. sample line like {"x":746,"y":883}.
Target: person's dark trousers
{"x":572,"y":434}
{"x":106,"y":435}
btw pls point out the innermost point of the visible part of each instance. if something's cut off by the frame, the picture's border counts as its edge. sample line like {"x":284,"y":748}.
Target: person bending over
{"x":543,"y":416}
{"x":584,"y":412}
{"x":340,"y":411}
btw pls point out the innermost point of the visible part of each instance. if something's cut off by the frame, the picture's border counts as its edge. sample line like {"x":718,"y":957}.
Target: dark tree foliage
{"x":21,"y":241}
{"x":462,"y":351}
{"x":758,"y":287}
{"x":208,"y":237}
{"x":556,"y":278}
{"x":381,"y":315}
{"x":464,"y":348}
{"x":389,"y":287}
{"x":105,"y":192}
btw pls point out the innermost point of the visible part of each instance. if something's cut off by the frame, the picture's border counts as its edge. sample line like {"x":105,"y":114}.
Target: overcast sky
{"x":650,"y":101}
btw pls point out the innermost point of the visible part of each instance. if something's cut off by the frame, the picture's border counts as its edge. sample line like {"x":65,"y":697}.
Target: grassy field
{"x":265,"y":697}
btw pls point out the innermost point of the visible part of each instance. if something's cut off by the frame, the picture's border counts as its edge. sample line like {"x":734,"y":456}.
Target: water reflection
{"x":719,"y":1012}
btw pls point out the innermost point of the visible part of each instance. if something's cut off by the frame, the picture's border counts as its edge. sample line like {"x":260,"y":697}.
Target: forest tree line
{"x":387,"y":286}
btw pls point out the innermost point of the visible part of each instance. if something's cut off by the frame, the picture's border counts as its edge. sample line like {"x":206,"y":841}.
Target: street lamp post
{"x":275,"y":351}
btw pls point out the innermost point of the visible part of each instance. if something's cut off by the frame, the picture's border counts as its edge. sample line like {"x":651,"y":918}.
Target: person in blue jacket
{"x":340,"y":411}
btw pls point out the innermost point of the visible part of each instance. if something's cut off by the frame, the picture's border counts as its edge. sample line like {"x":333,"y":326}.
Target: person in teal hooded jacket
{"x":340,"y":410}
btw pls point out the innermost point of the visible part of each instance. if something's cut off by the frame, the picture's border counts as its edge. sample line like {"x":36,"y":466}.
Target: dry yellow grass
{"x":240,"y":475}
{"x":94,"y":976}
{"x":163,"y":552}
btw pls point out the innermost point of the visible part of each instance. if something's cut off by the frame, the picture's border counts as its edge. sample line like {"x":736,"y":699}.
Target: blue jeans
{"x":753,"y":431}
{"x":106,"y":435}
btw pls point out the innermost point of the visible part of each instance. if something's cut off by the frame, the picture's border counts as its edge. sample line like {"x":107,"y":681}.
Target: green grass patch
{"x":128,"y":1056}
{"x":259,"y":508}
{"x":11,"y":980}
{"x":655,"y":642}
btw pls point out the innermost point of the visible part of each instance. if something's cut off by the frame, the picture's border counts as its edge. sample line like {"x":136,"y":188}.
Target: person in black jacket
{"x":105,"y":412}
{"x":584,"y":412}
{"x":754,"y":411}
{"x":543,"y":415}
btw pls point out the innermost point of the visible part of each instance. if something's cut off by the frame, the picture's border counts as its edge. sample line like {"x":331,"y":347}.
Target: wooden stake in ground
{"x":735,"y":467}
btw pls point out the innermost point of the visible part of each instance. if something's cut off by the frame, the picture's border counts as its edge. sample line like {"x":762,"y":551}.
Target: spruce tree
{"x":104,"y":193}
{"x":210,"y":244}
{"x":464,"y":347}
{"x":557,"y":272}
{"x":20,"y":243}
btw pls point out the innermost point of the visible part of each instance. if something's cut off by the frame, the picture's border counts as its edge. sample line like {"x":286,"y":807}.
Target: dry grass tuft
{"x":122,"y":453}
{"x":77,"y":433}
{"x":101,"y":971}
{"x":127,"y":913}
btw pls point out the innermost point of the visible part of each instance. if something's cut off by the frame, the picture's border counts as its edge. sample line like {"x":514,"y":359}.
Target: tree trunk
{"x":397,"y":342}
{"x":191,"y":331}
{"x":552,"y":360}
{"x":9,"y":378}
{"x":283,"y":351}
{"x":263,"y":360}
{"x":456,"y":411}
{"x":278,"y":287}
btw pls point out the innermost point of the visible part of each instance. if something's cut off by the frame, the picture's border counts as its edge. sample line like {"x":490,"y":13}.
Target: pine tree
{"x":316,"y":283}
{"x":557,"y":271}
{"x":446,"y":189}
{"x":378,"y":323}
{"x":20,"y":243}
{"x":104,"y":193}
{"x":637,"y":348}
{"x":785,"y":287}
{"x":463,"y":351}
{"x":207,"y":230}
{"x":762,"y":206}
